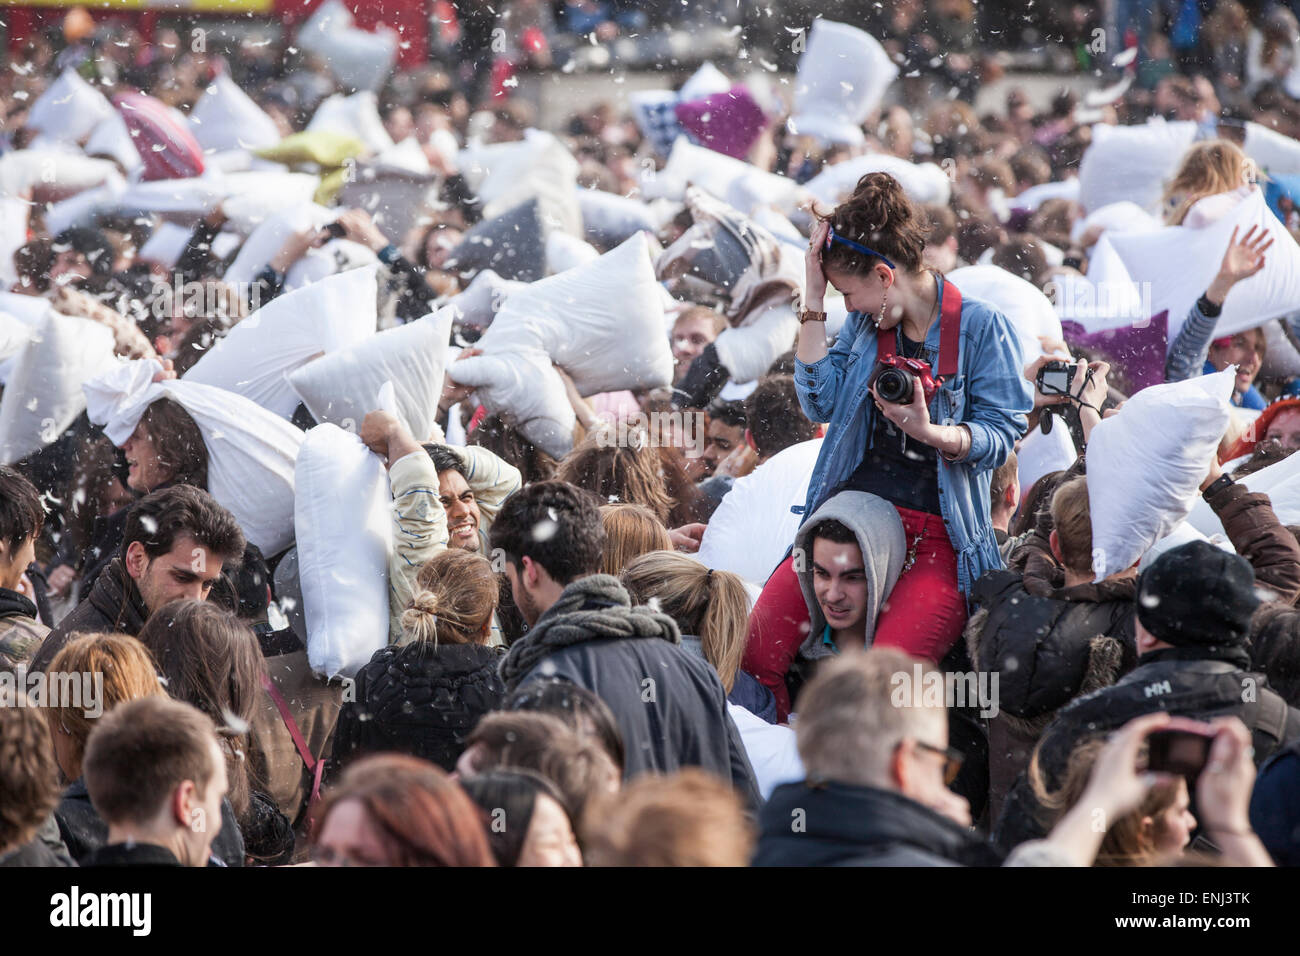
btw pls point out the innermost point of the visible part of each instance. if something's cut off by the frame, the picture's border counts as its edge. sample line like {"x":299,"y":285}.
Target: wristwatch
{"x":1216,"y":486}
{"x":807,"y":316}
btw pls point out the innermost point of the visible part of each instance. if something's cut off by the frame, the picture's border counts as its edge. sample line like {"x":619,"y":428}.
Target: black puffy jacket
{"x":418,"y":699}
{"x":1046,"y":649}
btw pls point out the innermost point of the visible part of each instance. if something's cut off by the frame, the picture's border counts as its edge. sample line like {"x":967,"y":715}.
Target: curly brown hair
{"x":29,"y":786}
{"x":879,"y":215}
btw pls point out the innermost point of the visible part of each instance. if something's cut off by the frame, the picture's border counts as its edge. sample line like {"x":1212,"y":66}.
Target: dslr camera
{"x":895,"y":376}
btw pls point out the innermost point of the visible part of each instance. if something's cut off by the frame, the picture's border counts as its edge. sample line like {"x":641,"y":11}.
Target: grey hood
{"x":879,"y":530}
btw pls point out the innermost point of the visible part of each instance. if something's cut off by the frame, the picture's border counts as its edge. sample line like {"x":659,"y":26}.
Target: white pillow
{"x":523,"y":386}
{"x":81,"y":209}
{"x":1035,"y":196}
{"x":111,"y":138}
{"x":343,"y":524}
{"x":268,"y":238}
{"x":341,"y":387}
{"x":1132,"y":162}
{"x":564,"y":252}
{"x":225,"y":117}
{"x":255,"y":357}
{"x":356,"y":116}
{"x":705,"y":81}
{"x":334,"y":257}
{"x":31,"y":310}
{"x":608,"y":218}
{"x":58,"y":172}
{"x":1179,"y":263}
{"x":69,"y":109}
{"x":43,"y":397}
{"x":748,"y":351}
{"x":482,"y":299}
{"x":13,"y":234}
{"x":14,"y":336}
{"x":250,"y":451}
{"x":252,"y":196}
{"x":406,"y":156}
{"x":1274,"y":152}
{"x":923,"y":182}
{"x":1122,"y":216}
{"x":359,"y":59}
{"x":843,"y":76}
{"x":1280,"y":481}
{"x":538,"y":167}
{"x":753,"y":527}
{"x":738,"y":183}
{"x":603,"y":323}
{"x":1145,"y":465}
{"x":1029,"y":310}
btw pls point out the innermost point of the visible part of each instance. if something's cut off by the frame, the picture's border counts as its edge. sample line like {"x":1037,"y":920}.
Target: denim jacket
{"x":989,"y":394}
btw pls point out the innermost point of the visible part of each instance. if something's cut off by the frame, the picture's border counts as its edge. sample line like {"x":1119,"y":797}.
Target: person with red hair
{"x":394,"y":810}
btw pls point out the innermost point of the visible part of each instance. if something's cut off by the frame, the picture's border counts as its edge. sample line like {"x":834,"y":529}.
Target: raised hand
{"x":1242,"y":260}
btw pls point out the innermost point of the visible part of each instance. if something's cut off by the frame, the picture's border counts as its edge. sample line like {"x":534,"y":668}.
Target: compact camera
{"x":895,"y":376}
{"x":1054,"y":378}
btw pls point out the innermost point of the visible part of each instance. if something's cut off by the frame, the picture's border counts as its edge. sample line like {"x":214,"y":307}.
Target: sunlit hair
{"x":455,"y":598}
{"x":630,"y":531}
{"x":710,"y":605}
{"x":128,"y":673}
{"x":690,"y":818}
{"x":1209,"y":168}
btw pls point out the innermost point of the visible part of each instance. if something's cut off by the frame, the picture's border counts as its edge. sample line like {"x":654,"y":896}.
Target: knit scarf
{"x":593,"y":608}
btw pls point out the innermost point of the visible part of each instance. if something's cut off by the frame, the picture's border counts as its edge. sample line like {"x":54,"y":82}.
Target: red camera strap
{"x":949,"y":334}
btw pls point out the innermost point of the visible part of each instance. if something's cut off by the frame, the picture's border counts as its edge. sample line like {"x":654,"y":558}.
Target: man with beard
{"x":176,"y":542}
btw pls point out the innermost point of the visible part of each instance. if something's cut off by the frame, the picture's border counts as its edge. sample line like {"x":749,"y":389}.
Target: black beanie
{"x":1197,"y":594}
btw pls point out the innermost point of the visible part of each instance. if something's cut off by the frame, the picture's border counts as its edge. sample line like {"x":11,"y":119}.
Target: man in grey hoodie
{"x":848,"y":556}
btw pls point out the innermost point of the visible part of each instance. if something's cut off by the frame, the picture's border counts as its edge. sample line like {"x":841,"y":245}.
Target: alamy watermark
{"x":75,"y":690}
{"x":930,"y":688}
{"x":675,"y":429}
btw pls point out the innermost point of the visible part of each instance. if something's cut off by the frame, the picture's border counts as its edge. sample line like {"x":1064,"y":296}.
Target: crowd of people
{"x":738,"y":493}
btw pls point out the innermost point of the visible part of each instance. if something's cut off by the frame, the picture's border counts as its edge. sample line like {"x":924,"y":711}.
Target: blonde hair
{"x":690,"y":818}
{"x":456,"y":595}
{"x":1125,"y":844}
{"x":1072,"y":519}
{"x":1208,"y":168}
{"x":127,"y":672}
{"x":630,"y":531}
{"x":711,"y":605}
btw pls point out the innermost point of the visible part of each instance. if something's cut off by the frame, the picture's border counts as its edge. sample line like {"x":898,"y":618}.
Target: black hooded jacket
{"x":418,"y":699}
{"x":839,"y":824}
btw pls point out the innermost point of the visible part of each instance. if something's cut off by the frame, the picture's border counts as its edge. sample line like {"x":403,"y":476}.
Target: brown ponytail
{"x":879,"y":215}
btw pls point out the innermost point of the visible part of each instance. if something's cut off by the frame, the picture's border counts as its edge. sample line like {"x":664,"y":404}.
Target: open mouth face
{"x":464,"y":533}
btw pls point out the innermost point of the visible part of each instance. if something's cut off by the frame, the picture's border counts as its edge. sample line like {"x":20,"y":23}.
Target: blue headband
{"x":831,"y":237}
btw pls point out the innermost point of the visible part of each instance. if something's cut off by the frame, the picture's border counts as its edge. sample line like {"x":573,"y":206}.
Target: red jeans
{"x":923,"y":615}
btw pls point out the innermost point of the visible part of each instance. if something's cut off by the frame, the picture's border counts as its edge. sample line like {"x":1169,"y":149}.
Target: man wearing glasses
{"x":876,"y":791}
